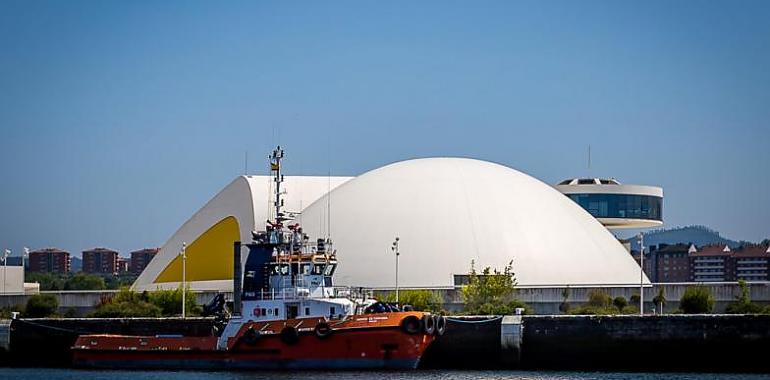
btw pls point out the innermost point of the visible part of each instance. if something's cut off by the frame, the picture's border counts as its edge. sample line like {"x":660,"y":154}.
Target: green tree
{"x":491,"y":291}
{"x":120,"y":281}
{"x":564,"y":306}
{"x":743,"y":304}
{"x":170,"y":301}
{"x":83,"y":281}
{"x":696,"y":300}
{"x":660,"y":299}
{"x":41,"y":306}
{"x":6,"y":311}
{"x":47,"y":281}
{"x":420,"y":300}
{"x":620,"y":303}
{"x":601,"y":303}
{"x":126,"y":303}
{"x":599,"y":298}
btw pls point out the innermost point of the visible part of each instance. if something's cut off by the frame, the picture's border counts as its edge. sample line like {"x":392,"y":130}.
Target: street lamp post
{"x":641,"y":273}
{"x":394,"y":248}
{"x":184,"y":274}
{"x":24,"y":258}
{"x":5,"y":264}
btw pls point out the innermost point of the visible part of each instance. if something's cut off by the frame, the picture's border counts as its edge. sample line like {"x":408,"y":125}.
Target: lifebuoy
{"x":411,"y":324}
{"x":440,"y":325}
{"x":322,"y":330}
{"x":289,"y":335}
{"x":251,"y":336}
{"x":428,"y":324}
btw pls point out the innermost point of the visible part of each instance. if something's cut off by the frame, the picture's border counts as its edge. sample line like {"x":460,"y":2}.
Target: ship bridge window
{"x":586,"y":181}
{"x":318,"y":269}
{"x":305,"y":268}
{"x":329,"y":270}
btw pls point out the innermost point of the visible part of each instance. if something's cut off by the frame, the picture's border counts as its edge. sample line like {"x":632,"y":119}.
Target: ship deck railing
{"x":300,"y":292}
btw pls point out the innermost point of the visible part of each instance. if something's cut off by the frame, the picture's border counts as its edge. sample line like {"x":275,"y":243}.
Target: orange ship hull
{"x":356,"y":342}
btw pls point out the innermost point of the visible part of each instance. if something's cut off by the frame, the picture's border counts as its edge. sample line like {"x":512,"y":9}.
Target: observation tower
{"x":614,"y":204}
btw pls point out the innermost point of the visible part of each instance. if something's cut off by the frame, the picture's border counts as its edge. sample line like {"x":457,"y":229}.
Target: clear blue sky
{"x":119,"y":119}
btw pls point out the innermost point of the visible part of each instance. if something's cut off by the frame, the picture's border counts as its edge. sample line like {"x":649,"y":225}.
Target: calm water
{"x":66,"y":374}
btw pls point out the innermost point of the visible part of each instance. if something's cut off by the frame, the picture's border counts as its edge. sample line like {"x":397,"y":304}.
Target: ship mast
{"x":275,"y":168}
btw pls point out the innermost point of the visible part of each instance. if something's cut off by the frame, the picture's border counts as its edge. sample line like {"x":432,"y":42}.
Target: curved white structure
{"x":449,"y":211}
{"x":446,"y":211}
{"x":616,"y":205}
{"x":241,"y":207}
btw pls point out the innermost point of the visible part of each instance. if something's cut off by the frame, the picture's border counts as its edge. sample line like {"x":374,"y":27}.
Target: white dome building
{"x":446,"y":212}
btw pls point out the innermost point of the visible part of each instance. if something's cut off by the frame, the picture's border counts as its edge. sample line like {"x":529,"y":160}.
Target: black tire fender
{"x":322,"y":330}
{"x":411,"y":324}
{"x":289,"y":335}
{"x":440,"y":325}
{"x":428,"y":324}
{"x":251,"y":336}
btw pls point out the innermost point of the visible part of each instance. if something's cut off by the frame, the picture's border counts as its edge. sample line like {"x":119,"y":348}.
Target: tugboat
{"x":287,"y":314}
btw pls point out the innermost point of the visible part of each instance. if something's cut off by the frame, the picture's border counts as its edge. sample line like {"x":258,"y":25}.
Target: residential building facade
{"x":49,"y":260}
{"x":751,"y":263}
{"x":670,"y":263}
{"x":123,"y":265}
{"x":100,"y":261}
{"x":140,"y":259}
{"x":711,"y":263}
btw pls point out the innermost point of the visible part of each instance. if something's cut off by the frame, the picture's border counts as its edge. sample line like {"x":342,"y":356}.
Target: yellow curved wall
{"x":209,"y":257}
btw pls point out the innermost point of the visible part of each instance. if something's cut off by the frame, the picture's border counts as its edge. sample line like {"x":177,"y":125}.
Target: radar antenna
{"x":275,"y":169}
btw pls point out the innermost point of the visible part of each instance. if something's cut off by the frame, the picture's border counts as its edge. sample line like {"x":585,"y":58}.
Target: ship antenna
{"x":275,"y":167}
{"x":329,"y":192}
{"x":329,"y":206}
{"x":589,"y":160}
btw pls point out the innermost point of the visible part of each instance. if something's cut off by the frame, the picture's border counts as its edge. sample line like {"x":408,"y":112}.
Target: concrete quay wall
{"x":627,"y":343}
{"x":701,"y":343}
{"x":543,"y":300}
{"x":82,"y":301}
{"x":546,"y":300}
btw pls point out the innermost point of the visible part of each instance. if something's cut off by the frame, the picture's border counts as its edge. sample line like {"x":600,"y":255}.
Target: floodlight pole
{"x":5,"y":264}
{"x":24,"y":257}
{"x":184,"y":275}
{"x":394,"y":248}
{"x":641,"y":273}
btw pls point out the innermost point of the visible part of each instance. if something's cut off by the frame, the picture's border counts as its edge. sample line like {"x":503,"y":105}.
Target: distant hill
{"x":76,"y":264}
{"x":698,"y":235}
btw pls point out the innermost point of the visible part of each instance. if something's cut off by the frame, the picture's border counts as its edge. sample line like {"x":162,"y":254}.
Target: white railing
{"x":753,"y":268}
{"x":300,"y":292}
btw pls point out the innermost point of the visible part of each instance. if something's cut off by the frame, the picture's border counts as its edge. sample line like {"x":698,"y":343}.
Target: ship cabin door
{"x":292,"y":311}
